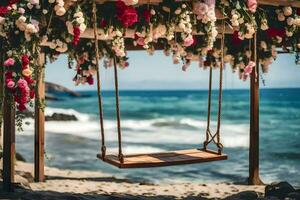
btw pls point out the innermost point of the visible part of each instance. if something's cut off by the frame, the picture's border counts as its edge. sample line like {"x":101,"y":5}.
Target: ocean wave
{"x":154,"y":131}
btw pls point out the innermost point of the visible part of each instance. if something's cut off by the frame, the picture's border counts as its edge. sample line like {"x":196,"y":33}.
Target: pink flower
{"x":9,"y":62}
{"x":10,"y":83}
{"x":200,"y":9}
{"x":188,"y":41}
{"x":140,"y":41}
{"x":248,"y":69}
{"x":252,"y":5}
{"x":22,"y":84}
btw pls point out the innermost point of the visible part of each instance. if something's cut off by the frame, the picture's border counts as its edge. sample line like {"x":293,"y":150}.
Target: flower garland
{"x":18,"y":79}
{"x":183,"y":21}
{"x":185,"y":30}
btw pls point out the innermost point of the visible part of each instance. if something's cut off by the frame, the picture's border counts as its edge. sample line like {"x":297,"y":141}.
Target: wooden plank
{"x":293,"y":3}
{"x":8,"y":143}
{"x":39,"y":130}
{"x":181,"y":157}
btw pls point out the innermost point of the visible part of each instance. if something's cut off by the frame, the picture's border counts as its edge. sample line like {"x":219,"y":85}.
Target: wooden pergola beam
{"x":292,"y":3}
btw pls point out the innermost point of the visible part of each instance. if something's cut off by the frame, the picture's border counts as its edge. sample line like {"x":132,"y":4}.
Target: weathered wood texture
{"x":39,"y":132}
{"x":8,"y":143}
{"x":254,"y":178}
{"x":181,"y":157}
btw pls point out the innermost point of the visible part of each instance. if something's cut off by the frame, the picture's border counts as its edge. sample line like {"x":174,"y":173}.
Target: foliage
{"x":186,"y":30}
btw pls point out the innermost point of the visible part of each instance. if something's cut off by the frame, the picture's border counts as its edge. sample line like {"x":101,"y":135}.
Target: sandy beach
{"x":70,"y":184}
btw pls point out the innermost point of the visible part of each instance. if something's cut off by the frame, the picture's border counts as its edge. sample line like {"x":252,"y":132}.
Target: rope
{"x":208,"y":108}
{"x":209,"y":136}
{"x":103,"y":148}
{"x":121,"y":157}
{"x":220,"y":146}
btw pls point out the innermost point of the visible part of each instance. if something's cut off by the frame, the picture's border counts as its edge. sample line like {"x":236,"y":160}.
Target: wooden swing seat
{"x":181,"y":157}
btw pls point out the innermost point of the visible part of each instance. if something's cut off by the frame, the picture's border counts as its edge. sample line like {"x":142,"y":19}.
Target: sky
{"x":158,"y":72}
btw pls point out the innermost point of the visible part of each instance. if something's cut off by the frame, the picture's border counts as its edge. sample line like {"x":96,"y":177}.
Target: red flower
{"x":90,"y":80}
{"x":273,"y":32}
{"x":13,"y":2}
{"x":8,"y":75}
{"x":125,"y":14}
{"x":21,"y":107}
{"x":146,"y":15}
{"x":235,"y":39}
{"x":76,"y":32}
{"x":25,"y":61}
{"x":3,"y":11}
{"x":32,"y":94}
{"x":298,"y":11}
{"x":29,"y":80}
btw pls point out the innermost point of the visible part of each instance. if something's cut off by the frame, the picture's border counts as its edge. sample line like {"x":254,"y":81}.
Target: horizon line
{"x":171,"y":89}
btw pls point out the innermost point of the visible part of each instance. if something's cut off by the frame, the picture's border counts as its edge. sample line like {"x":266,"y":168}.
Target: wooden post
{"x":254,"y":178}
{"x":39,"y":131}
{"x":8,"y":137}
{"x":8,"y":143}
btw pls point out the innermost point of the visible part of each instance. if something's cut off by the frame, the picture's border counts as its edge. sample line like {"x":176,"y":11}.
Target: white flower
{"x":297,"y":21}
{"x":45,"y":11}
{"x":51,"y":1}
{"x":60,"y":3}
{"x":78,"y":14}
{"x":241,"y":20}
{"x":290,"y":21}
{"x":9,"y":53}
{"x":289,"y":34}
{"x":287,"y":11}
{"x":264,"y":25}
{"x":80,"y":20}
{"x":152,"y":11}
{"x":60,"y":11}
{"x":82,"y":27}
{"x":21,"y":11}
{"x":14,"y":7}
{"x":30,"y":28}
{"x":2,"y":20}
{"x":130,"y":2}
{"x":34,"y":2}
{"x":30,"y":6}
{"x":181,"y":25}
{"x":22,"y":19}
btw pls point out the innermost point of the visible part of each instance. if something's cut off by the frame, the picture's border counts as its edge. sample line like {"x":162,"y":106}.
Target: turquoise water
{"x":155,"y":121}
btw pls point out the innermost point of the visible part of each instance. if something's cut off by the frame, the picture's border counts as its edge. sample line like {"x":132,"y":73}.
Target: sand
{"x":87,"y":185}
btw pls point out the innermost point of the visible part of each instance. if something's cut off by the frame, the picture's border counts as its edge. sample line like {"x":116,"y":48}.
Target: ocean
{"x":154,"y":121}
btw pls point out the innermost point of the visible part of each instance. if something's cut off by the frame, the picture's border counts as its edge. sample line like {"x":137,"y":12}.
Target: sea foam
{"x":152,"y":131}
